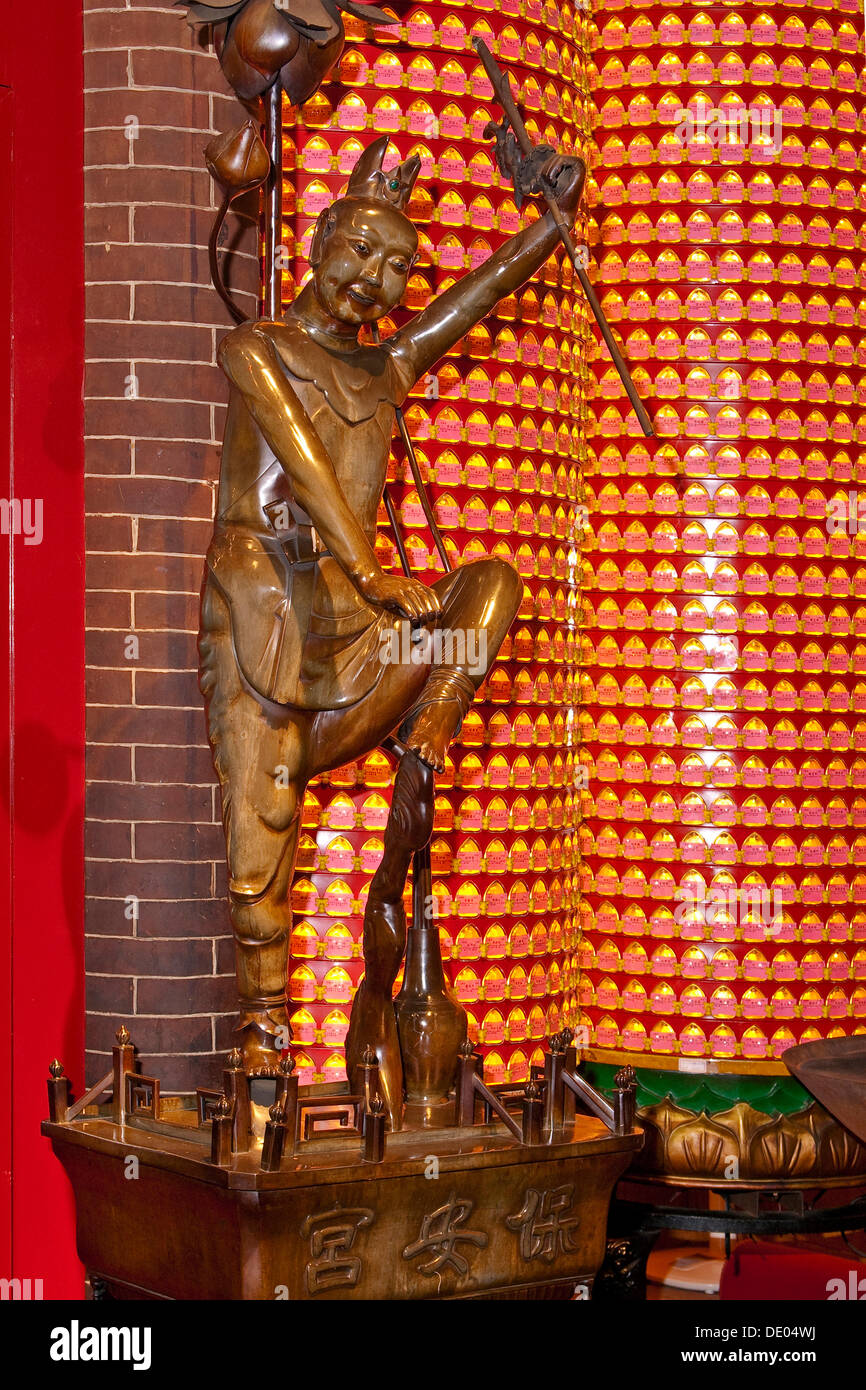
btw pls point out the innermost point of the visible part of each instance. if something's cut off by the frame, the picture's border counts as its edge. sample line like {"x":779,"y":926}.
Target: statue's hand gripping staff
{"x":521,"y":160}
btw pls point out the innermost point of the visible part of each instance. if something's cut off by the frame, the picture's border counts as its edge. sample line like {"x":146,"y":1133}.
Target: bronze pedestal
{"x":268,"y":1191}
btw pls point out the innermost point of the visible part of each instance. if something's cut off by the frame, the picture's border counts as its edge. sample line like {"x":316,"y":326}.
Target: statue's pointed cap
{"x":368,"y":179}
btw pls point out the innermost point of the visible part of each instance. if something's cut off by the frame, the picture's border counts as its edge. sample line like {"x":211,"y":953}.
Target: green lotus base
{"x":712,"y":1129}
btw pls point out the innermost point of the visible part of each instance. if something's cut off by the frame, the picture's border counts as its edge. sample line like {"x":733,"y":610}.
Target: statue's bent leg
{"x":479,"y":604}
{"x":427,"y":699}
{"x":258,"y":755}
{"x":373,"y":1022}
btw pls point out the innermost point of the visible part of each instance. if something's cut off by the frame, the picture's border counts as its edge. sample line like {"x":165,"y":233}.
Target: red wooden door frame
{"x":42,"y":666}
{"x":6,"y":696}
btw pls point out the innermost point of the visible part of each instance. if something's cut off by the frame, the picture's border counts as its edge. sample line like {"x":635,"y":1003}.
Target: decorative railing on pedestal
{"x":547,"y":1105}
{"x":549,"y":1100}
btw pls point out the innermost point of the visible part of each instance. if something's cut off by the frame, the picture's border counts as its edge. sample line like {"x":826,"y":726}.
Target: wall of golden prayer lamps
{"x":527,"y":391}
{"x":500,"y":438}
{"x":722,"y":621}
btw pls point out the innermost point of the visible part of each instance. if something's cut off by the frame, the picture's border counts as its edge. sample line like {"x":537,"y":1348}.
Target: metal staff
{"x":233,"y":183}
{"x":422,"y":491}
{"x":502,"y":89}
{"x":271,"y":307}
{"x":415,"y":468}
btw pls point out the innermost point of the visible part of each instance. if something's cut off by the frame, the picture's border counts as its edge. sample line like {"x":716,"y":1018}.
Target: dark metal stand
{"x":762,"y":1210}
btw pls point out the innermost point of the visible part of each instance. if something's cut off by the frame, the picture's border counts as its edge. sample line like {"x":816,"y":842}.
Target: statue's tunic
{"x":302,"y":634}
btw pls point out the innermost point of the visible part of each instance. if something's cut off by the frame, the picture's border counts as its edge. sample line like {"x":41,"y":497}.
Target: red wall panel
{"x":42,"y":665}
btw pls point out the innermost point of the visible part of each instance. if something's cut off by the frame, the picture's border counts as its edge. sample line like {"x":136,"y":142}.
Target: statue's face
{"x":364,"y":261}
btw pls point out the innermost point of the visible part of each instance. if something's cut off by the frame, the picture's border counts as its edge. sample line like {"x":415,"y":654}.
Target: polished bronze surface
{"x":298,"y":616}
{"x":744,"y":1144}
{"x":431,"y":1024}
{"x":292,"y":43}
{"x":495,"y":1219}
{"x":237,"y":161}
{"x":834,"y":1070}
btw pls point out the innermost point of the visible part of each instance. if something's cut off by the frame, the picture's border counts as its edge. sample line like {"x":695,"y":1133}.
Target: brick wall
{"x":158,"y":950}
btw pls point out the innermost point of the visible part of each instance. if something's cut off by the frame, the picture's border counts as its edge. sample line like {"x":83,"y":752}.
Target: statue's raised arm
{"x":444,"y":322}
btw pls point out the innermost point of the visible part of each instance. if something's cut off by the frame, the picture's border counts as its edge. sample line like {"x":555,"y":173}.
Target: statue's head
{"x":364,"y":245}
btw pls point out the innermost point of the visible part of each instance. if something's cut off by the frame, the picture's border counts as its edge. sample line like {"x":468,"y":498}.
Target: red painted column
{"x":41,"y":670}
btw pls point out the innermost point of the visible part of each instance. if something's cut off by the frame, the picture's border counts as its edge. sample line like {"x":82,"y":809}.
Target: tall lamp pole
{"x":271,"y":306}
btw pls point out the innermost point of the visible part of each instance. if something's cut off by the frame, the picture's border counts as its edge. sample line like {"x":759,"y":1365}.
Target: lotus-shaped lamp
{"x":298,"y":41}
{"x":238,"y":161}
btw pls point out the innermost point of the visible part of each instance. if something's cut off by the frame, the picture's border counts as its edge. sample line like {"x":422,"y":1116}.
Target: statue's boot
{"x":262,"y":1034}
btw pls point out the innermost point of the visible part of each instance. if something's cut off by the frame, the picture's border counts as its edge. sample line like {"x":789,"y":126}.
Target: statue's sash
{"x":302,"y":634}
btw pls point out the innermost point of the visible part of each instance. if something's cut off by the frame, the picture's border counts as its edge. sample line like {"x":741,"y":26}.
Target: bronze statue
{"x":297,"y":612}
